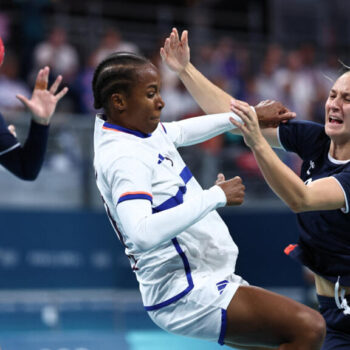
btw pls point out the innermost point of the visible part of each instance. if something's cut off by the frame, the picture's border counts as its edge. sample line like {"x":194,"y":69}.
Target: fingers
{"x":184,"y":38}
{"x":56,"y":84}
{"x":42,"y":79}
{"x":243,"y":110}
{"x":174,"y":39}
{"x":162,"y":53}
{"x":234,"y":191}
{"x":220,"y":178}
{"x":238,"y":125}
{"x":176,"y":34}
{"x":23,"y":99}
{"x":61,"y":93}
{"x":287,"y":116}
{"x":166,"y":45}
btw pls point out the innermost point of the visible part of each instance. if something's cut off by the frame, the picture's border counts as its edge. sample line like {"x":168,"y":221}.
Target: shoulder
{"x":303,"y":126}
{"x":298,"y":135}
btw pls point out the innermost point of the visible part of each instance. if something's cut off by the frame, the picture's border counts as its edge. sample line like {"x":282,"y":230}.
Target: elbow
{"x":299,"y":206}
{"x":142,"y":245}
{"x":295,"y":209}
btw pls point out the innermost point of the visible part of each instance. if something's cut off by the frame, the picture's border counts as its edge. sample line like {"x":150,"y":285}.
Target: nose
{"x":160,"y":103}
{"x":335,"y":104}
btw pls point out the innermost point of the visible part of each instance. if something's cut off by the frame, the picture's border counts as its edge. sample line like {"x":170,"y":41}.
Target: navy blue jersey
{"x":7,"y":140}
{"x":324,"y":242}
{"x":24,"y":162}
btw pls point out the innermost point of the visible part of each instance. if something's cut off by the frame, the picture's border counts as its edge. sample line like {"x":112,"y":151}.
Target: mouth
{"x":335,"y":120}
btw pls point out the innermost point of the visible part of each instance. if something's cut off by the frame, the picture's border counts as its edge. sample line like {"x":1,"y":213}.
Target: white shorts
{"x":202,"y":312}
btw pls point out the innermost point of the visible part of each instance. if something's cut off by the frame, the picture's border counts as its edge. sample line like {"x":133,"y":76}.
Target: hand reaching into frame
{"x":175,"y":52}
{"x":272,"y":113}
{"x":43,"y":102}
{"x":250,"y":125}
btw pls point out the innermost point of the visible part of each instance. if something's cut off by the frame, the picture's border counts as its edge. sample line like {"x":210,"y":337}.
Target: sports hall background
{"x":65,"y":282}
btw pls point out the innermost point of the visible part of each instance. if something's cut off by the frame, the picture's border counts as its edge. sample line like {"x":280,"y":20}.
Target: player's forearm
{"x":199,"y":129}
{"x":147,"y":231}
{"x":282,"y":180}
{"x":26,"y":162}
{"x":209,"y":97}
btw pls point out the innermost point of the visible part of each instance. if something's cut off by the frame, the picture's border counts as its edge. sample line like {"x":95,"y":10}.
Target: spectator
{"x":57,"y":53}
{"x":112,"y":41}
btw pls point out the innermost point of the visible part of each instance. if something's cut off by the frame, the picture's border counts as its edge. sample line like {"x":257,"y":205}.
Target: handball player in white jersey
{"x":181,"y":251}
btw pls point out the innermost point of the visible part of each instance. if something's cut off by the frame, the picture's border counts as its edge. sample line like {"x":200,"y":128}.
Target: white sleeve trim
{"x":199,"y":129}
{"x":146,"y":230}
{"x":10,"y":149}
{"x":346,"y":209}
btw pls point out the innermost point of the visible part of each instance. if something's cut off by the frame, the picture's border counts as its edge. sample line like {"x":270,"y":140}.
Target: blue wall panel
{"x":80,"y":249}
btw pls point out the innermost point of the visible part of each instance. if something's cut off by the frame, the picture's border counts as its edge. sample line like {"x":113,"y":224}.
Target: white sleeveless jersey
{"x":131,"y":166}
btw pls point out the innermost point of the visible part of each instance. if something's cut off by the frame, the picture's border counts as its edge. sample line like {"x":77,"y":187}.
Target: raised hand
{"x":250,"y":128}
{"x":233,"y":188}
{"x":43,"y":102}
{"x":175,"y":52}
{"x":272,"y":113}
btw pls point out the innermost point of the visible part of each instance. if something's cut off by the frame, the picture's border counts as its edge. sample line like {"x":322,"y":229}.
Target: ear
{"x":118,"y":101}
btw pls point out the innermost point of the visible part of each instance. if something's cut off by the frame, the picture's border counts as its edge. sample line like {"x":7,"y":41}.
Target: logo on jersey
{"x":308,"y":181}
{"x":312,"y":166}
{"x":221,"y":286}
{"x":163,"y":158}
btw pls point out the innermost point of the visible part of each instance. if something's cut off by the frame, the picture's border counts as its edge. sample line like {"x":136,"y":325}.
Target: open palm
{"x":176,"y":52}
{"x":43,"y":102}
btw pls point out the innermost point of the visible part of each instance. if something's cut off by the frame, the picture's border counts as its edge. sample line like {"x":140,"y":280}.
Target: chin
{"x":152,"y":128}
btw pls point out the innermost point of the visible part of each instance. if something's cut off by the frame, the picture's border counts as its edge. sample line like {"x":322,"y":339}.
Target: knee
{"x":313,"y":327}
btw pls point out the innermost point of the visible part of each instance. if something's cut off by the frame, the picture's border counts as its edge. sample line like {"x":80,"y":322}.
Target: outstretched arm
{"x":212,"y":99}
{"x":176,"y":55}
{"x":322,"y":194}
{"x":25,"y":162}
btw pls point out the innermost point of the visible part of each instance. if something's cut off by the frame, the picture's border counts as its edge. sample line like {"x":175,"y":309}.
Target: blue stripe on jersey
{"x":189,"y":280}
{"x":163,"y":127}
{"x":221,"y":340}
{"x":186,"y":174}
{"x":128,"y":131}
{"x":172,"y":201}
{"x":135,"y":196}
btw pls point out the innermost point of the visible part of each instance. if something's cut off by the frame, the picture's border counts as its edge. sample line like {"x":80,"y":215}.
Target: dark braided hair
{"x":116,"y":73}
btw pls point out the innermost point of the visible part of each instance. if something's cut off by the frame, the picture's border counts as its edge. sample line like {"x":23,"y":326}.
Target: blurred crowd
{"x":298,"y":77}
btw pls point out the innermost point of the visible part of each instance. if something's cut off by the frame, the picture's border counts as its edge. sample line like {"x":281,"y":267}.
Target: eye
{"x":150,"y":94}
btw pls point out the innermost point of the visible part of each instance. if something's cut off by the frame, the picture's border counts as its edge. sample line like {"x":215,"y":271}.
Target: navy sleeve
{"x":24,"y":162}
{"x":304,"y":138}
{"x":7,"y":140}
{"x":344,"y":179}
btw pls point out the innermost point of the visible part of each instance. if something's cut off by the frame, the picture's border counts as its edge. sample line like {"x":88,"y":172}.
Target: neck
{"x":340,"y":151}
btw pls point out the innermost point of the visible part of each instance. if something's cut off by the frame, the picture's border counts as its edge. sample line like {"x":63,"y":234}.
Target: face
{"x":337,"y":123}
{"x":144,"y":104}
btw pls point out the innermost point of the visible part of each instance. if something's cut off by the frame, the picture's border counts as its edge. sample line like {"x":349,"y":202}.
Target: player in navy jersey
{"x":321,"y":197}
{"x":179,"y":248}
{"x":26,"y":161}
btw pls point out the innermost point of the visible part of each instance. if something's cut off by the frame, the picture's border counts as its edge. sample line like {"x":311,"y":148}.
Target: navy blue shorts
{"x":338,"y":324}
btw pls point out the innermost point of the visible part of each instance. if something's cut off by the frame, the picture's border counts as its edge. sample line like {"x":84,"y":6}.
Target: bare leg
{"x":257,"y":317}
